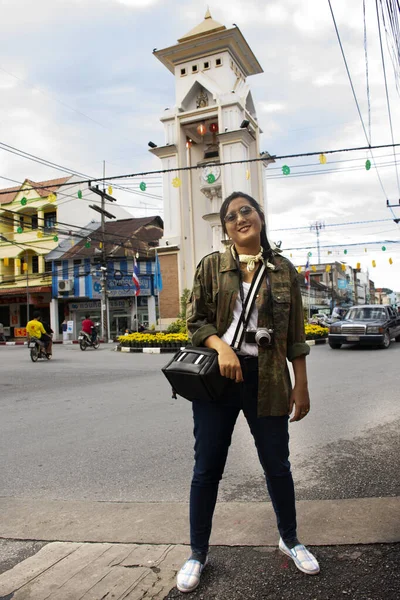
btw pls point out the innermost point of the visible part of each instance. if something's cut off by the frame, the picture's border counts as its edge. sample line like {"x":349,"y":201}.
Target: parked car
{"x":369,"y":324}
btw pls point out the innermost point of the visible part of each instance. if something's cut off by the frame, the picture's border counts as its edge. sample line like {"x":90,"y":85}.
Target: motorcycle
{"x":37,"y":349}
{"x":89,"y":341}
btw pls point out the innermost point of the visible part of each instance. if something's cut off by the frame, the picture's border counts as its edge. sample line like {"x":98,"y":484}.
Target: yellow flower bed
{"x":150,"y":338}
{"x":315,"y":331}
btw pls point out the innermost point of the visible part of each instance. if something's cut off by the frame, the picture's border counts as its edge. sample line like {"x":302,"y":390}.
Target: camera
{"x":262,"y":337}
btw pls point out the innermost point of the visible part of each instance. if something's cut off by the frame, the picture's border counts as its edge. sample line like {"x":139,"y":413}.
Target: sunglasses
{"x":244,"y":211}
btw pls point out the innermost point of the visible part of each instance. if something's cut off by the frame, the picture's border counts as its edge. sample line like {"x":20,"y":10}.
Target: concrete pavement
{"x":104,"y":550}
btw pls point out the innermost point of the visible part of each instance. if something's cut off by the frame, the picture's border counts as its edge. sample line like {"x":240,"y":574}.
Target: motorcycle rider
{"x":89,"y":328}
{"x":36,"y":329}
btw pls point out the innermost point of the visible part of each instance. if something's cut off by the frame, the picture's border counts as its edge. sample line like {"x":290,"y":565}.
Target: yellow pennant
{"x":390,"y":261}
{"x":373,"y":263}
{"x":328,"y":268}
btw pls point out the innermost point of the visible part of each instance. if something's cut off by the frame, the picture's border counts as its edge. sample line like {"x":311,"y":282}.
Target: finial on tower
{"x":208,"y":14}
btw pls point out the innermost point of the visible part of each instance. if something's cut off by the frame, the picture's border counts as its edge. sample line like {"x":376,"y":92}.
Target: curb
{"x":148,"y":350}
{"x":151,"y":350}
{"x":316,"y":342}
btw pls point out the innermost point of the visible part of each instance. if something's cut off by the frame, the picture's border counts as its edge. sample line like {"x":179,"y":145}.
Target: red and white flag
{"x":135,"y":277}
{"x":307,"y":273}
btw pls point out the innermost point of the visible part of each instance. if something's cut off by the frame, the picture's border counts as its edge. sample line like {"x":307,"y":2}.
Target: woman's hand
{"x":229,"y":364}
{"x":300,"y":399}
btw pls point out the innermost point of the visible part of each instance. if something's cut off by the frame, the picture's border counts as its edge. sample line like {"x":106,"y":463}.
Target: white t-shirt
{"x":251,"y":349}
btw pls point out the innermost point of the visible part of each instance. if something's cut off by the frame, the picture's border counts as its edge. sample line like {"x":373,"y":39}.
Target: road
{"x":102,"y":426}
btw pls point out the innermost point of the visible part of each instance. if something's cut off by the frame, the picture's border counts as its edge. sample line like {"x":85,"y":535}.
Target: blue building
{"x":77,"y":278}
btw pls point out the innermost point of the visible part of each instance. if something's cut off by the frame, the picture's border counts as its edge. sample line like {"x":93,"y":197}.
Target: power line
{"x":356,"y":101}
{"x":386,"y":91}
{"x":232,"y":162}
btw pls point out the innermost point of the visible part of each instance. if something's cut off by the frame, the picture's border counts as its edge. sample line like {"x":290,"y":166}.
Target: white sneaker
{"x":189,"y":575}
{"x":302,"y":558}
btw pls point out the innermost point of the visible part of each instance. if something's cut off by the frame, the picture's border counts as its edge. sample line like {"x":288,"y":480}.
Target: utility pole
{"x":104,"y":196}
{"x":318,"y":225}
{"x":355,"y":282}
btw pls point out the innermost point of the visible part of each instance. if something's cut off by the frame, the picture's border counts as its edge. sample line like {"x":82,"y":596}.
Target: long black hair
{"x":263,"y":233}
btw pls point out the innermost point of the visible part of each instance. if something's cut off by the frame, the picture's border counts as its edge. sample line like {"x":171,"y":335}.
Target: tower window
{"x":183,"y":72}
{"x":194,"y":68}
{"x":218,"y":62}
{"x":206,"y":65}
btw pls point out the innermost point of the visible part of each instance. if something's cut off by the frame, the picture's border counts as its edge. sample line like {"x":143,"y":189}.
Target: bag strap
{"x":248,"y":307}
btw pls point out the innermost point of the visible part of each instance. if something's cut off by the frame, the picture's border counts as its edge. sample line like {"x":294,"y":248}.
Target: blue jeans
{"x":213,"y":428}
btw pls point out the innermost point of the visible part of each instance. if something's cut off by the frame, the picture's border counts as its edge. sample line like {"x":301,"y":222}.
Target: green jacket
{"x":210,"y":311}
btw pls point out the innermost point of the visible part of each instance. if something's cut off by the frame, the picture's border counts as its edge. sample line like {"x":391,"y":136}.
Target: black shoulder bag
{"x":194,"y":372}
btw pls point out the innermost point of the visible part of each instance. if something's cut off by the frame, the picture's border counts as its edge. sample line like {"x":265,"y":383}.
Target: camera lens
{"x":263,"y":338}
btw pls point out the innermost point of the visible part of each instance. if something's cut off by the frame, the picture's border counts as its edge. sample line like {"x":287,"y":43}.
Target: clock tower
{"x":213,"y":122}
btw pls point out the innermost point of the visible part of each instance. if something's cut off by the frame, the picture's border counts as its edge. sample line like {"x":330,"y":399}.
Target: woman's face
{"x":243,"y":225}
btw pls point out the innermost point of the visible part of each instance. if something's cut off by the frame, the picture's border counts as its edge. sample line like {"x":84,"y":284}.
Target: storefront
{"x":13,"y":308}
{"x":121,"y":313}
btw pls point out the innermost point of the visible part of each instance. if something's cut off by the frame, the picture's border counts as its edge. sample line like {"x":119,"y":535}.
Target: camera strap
{"x":247,"y":306}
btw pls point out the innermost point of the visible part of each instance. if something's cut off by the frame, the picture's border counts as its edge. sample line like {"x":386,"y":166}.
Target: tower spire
{"x":208,"y":14}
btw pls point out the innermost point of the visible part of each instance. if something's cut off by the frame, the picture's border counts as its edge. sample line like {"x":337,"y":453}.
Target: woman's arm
{"x":299,"y":397}
{"x":228,"y":361}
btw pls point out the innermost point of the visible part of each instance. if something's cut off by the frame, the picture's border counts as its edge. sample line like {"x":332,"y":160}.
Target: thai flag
{"x":307,"y":273}
{"x":135,"y":277}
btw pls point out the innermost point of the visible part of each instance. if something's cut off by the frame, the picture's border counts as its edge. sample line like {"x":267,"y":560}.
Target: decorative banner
{"x":343,"y":267}
{"x":322,"y":159}
{"x":384,"y":248}
{"x":213,"y":127}
{"x":329,"y":252}
{"x":211,"y":178}
{"x":55,"y":238}
{"x":299,"y":269}
{"x":345,"y":251}
{"x":201,"y":129}
{"x":7,"y":261}
{"x":373,"y":263}
{"x":39,"y":234}
{"x":286,"y":170}
{"x":390,"y":261}
{"x":368,"y":164}
{"x":80,"y":194}
{"x":52,"y":197}
{"x":142,"y":186}
{"x":365,"y":249}
{"x":247,"y":174}
{"x":24,"y":266}
{"x":309,"y":254}
{"x":313,"y":268}
{"x":87,"y":244}
{"x":290,"y":255}
{"x":17,"y":262}
{"x":100,"y":245}
{"x":24,"y":201}
{"x":358,"y":266}
{"x":176,"y":182}
{"x":19,"y":229}
{"x":110,"y":190}
{"x":328,"y":268}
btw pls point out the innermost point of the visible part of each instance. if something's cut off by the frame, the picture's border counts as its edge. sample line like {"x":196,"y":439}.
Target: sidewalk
{"x":105,"y":550}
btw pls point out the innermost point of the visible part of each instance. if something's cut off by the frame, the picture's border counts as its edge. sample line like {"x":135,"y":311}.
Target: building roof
{"x":208,"y":38}
{"x":43,"y":188}
{"x":204,"y":28}
{"x":124,"y":237}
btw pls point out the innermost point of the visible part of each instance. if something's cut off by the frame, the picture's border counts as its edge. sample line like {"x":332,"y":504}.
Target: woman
{"x":263,"y":388}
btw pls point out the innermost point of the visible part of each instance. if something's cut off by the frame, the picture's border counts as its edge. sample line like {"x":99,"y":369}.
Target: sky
{"x":80,"y":87}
